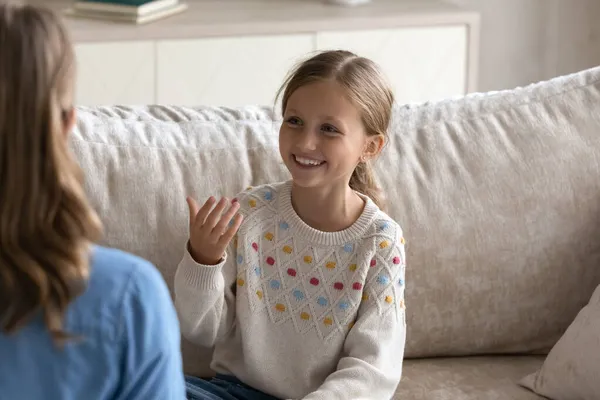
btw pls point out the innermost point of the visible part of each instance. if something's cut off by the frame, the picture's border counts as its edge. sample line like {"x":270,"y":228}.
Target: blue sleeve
{"x":151,"y":354}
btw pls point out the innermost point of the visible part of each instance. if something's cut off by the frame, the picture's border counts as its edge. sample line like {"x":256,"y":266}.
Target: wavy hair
{"x":366,"y":87}
{"x":46,"y":223}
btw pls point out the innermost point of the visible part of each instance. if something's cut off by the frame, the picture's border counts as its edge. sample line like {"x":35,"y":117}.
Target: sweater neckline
{"x":301,"y":228}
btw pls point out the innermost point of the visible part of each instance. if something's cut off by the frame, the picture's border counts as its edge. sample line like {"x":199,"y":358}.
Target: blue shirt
{"x":129,"y":348}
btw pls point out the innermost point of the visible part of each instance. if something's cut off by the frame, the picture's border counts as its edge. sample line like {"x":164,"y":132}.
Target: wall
{"x":525,"y":41}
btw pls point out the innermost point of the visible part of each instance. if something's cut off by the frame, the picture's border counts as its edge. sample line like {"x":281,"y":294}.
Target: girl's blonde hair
{"x":46,"y":223}
{"x":367,"y":89}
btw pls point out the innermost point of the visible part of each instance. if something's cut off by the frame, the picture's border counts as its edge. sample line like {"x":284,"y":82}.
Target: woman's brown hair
{"x":46,"y":223}
{"x":367,"y":89}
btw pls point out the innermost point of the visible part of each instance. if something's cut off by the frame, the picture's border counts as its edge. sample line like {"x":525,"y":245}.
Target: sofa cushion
{"x":572,"y":368}
{"x":498,"y":196}
{"x":468,"y":378}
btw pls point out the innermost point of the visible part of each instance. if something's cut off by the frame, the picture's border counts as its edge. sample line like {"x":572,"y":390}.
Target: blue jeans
{"x":221,"y":387}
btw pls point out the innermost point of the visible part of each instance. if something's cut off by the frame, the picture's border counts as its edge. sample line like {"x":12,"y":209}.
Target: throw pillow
{"x":572,"y":369}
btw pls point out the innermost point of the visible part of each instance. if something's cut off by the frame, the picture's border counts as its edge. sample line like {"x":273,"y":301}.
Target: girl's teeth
{"x":308,"y":161}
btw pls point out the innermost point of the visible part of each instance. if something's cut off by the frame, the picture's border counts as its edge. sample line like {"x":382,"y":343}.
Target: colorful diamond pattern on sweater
{"x":283,"y":230}
{"x":286,"y":251}
{"x":318,"y":288}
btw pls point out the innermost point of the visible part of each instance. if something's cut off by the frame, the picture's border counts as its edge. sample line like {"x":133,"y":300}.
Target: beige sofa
{"x":498,"y":195}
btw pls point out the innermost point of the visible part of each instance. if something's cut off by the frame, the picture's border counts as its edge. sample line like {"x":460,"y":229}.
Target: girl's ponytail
{"x":363,"y":181}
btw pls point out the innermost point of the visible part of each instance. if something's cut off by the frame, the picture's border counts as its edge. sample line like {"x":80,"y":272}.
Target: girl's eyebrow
{"x":334,"y":120}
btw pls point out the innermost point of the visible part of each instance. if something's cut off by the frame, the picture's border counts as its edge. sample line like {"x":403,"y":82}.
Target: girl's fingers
{"x":215,"y":215}
{"x":230,"y":233}
{"x":226,"y":219}
{"x":194,"y":208}
{"x":203,"y":212}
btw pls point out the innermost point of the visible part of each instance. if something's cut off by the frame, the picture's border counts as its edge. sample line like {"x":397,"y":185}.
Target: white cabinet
{"x":115,"y":73}
{"x":231,"y":71}
{"x":422,"y":64}
{"x":236,"y":53}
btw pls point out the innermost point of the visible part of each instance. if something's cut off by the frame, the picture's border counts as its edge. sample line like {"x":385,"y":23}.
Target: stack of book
{"x":132,"y":11}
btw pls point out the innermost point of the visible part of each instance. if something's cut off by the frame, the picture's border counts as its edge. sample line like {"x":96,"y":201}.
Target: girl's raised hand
{"x":210,"y":229}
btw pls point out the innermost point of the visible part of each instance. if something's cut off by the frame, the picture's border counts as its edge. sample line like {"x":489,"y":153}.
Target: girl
{"x":77,"y":321}
{"x":307,"y":302}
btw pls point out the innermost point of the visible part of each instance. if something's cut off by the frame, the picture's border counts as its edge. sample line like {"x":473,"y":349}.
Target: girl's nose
{"x":308,"y":140}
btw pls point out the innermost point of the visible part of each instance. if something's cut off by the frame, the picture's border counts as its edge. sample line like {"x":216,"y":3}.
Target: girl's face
{"x":322,"y":137}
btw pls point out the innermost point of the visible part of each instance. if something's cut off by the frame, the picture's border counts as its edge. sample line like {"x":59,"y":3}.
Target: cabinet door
{"x":115,"y":73}
{"x":226,"y":71}
{"x":422,"y":64}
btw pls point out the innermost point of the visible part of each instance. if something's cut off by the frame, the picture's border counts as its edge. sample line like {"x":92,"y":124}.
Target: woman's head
{"x":46,"y":224}
{"x":336,"y":110}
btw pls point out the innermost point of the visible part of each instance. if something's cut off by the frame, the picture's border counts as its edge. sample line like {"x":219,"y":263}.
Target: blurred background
{"x":524,"y":41}
{"x":237,"y":52}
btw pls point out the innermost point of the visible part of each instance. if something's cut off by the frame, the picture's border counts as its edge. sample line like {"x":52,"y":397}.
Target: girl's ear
{"x":373,"y":146}
{"x":69,"y":119}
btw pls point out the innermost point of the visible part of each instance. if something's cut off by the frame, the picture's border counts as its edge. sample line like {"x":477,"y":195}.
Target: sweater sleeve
{"x":371,"y":363}
{"x":205,"y":294}
{"x":205,"y":298}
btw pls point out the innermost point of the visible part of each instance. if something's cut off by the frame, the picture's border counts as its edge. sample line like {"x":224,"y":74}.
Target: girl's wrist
{"x":199,"y":259}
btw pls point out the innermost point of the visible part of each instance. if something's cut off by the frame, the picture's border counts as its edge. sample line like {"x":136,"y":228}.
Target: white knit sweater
{"x":299,"y":313}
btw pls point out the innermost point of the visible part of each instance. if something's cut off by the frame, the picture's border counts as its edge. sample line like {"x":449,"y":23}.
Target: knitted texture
{"x":300,"y":313}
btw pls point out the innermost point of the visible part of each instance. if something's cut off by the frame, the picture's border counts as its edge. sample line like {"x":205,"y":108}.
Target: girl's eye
{"x":329,"y":129}
{"x":294,"y":121}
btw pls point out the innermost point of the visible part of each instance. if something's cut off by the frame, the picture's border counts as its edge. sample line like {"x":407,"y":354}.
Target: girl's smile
{"x":307,"y":161}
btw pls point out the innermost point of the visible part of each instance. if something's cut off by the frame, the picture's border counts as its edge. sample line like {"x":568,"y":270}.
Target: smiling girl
{"x":299,"y":285}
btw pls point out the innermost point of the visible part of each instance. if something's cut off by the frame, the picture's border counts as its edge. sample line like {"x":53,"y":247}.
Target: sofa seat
{"x":468,"y":378}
